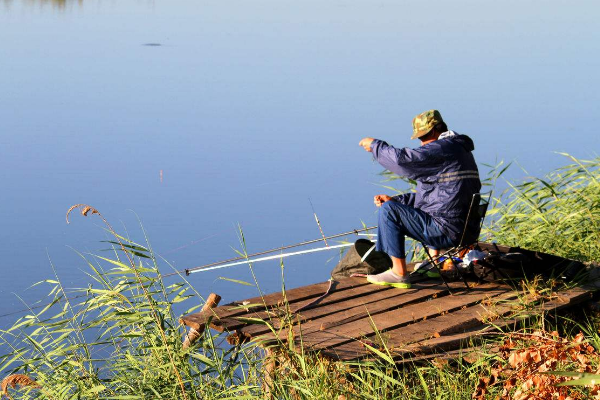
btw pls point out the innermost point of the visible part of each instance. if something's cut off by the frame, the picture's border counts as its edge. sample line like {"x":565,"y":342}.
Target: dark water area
{"x":199,"y":116}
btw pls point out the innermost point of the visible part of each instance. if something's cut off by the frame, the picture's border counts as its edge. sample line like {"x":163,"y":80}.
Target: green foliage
{"x":302,"y":376}
{"x":558,"y":214}
{"x":581,"y":378}
{"x":120,"y":340}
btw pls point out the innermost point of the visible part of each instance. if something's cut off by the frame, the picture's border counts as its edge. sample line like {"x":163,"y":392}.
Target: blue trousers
{"x":397,"y":220}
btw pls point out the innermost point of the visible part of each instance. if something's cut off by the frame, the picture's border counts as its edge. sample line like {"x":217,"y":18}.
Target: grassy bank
{"x":119,"y":338}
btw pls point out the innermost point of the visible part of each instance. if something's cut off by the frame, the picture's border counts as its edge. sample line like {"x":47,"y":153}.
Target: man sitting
{"x":447,"y":177}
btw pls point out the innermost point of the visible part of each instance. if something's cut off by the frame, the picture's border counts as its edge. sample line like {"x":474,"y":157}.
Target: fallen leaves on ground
{"x":527,"y":362}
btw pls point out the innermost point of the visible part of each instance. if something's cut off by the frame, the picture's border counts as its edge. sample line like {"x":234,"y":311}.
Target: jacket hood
{"x":463,"y":140}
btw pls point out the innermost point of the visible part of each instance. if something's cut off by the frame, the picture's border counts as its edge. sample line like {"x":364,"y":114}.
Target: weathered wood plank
{"x":456,"y":321}
{"x":397,"y":339}
{"x":368,"y":327}
{"x":337,"y":335}
{"x":272,"y":299}
{"x":564,"y":300}
{"x":337,"y":303}
{"x":296,"y":295}
{"x":345,"y":296}
{"x":358,"y":311}
{"x":455,"y":329}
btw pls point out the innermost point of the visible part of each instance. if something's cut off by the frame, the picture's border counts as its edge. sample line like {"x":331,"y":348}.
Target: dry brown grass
{"x":85,"y":209}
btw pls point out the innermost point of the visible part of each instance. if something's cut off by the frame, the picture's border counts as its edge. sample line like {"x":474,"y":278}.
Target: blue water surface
{"x":250,"y":109}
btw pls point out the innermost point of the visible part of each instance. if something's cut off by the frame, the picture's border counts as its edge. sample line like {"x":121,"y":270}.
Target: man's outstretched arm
{"x":407,"y":162}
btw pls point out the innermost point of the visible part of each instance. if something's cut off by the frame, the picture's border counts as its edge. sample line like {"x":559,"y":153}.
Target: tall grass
{"x":559,"y":213}
{"x":119,"y":338}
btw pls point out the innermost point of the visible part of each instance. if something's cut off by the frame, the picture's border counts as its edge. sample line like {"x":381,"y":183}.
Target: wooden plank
{"x":456,"y":329}
{"x":564,"y":300}
{"x":333,"y":303}
{"x":397,"y":339}
{"x":362,"y":308}
{"x":497,"y":247}
{"x":395,"y":318}
{"x":457,"y":321}
{"x":414,"y":312}
{"x":337,"y":335}
{"x":292,"y":296}
{"x":333,"y":297}
{"x":273,"y":299}
{"x":303,"y":293}
{"x":389,"y":294}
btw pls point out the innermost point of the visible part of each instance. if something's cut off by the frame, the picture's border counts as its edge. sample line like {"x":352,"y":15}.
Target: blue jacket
{"x":446,"y":175}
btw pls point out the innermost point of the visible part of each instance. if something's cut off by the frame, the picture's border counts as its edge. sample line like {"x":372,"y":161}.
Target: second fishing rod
{"x":188,"y":271}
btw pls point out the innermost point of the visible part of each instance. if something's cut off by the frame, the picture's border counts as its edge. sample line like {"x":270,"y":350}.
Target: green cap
{"x":424,"y":122}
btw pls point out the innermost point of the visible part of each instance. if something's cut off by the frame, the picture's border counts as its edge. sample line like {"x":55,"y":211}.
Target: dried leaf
{"x":532,"y":357}
{"x":17,"y":379}
{"x":481,"y":389}
{"x":85,"y":209}
{"x":535,"y":356}
{"x":583,"y":359}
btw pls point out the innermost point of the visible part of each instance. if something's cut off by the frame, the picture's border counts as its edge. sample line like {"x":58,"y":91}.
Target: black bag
{"x":352,"y":263}
{"x":501,"y":266}
{"x":520,"y":263}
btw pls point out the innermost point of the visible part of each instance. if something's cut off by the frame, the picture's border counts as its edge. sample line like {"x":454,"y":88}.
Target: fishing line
{"x":190,"y":244}
{"x":41,"y":306}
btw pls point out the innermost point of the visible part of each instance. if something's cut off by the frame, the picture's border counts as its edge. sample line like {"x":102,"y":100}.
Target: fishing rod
{"x":245,"y":259}
{"x":275,"y":257}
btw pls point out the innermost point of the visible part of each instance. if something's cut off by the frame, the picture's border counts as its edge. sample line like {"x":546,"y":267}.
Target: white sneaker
{"x":390,"y":278}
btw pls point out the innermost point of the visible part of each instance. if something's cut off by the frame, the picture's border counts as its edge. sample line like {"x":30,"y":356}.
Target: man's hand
{"x":380,"y":199}
{"x":366,"y":143}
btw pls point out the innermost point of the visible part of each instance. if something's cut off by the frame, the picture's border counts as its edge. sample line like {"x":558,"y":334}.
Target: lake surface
{"x":250,"y":109}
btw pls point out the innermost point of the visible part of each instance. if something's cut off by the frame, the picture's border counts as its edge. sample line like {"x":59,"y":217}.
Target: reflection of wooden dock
{"x":356,"y":316}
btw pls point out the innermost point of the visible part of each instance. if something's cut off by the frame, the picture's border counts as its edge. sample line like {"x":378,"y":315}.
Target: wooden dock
{"x":356,"y":318}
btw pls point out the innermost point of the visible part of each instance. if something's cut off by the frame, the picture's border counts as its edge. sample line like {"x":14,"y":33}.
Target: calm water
{"x":250,"y":108}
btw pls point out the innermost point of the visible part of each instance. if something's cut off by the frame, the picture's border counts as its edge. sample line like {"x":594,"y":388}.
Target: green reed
{"x":119,"y":338}
{"x":558,"y":214}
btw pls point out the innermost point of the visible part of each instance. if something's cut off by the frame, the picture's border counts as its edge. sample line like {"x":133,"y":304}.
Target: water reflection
{"x":58,"y":4}
{"x":55,"y":4}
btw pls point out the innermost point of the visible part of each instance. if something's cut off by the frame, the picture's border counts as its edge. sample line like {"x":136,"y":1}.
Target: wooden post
{"x":193,"y":334}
